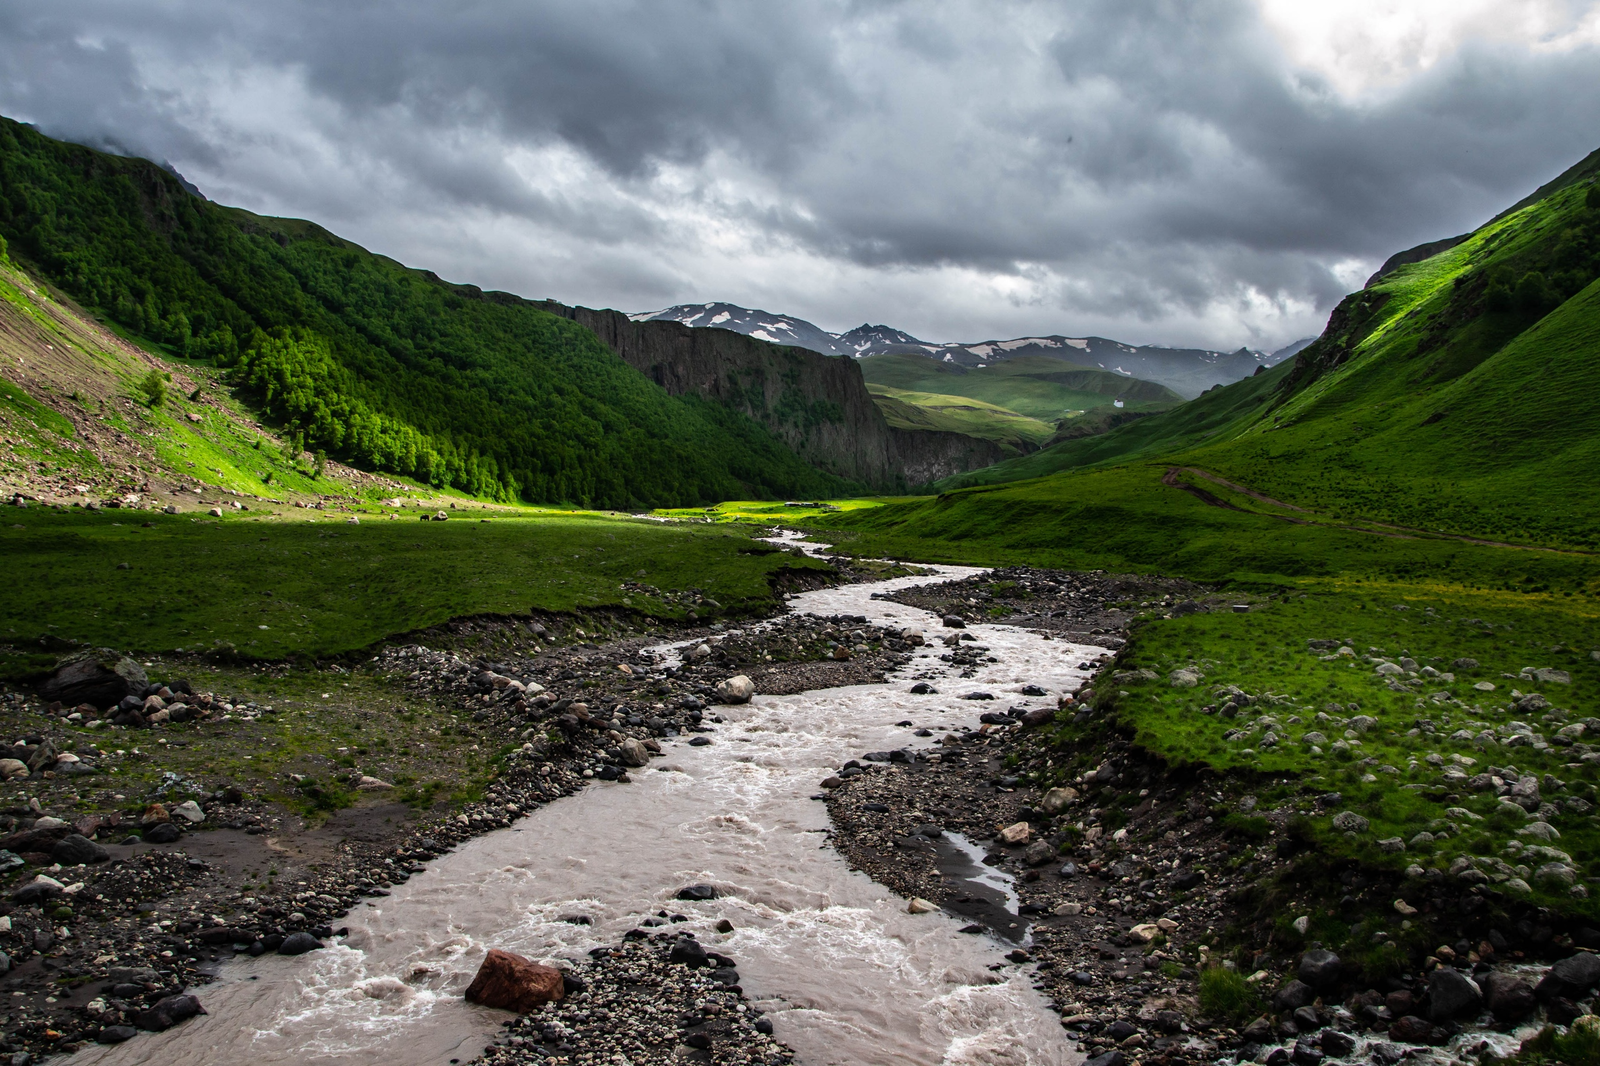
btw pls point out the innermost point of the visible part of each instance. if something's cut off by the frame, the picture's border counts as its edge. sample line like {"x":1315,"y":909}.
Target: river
{"x":847,"y":975}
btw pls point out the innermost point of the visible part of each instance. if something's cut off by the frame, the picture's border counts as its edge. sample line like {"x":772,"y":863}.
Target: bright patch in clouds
{"x":1365,"y":45}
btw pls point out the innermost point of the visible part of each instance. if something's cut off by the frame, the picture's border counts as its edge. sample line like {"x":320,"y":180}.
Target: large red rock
{"x":511,"y":982}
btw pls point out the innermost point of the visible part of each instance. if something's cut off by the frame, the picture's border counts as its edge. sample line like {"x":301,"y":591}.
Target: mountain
{"x":1453,"y":396}
{"x":1186,"y":371}
{"x":762,"y":325}
{"x":395,"y":370}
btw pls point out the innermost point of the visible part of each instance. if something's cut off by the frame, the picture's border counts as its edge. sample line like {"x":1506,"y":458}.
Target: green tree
{"x":321,"y":463}
{"x":153,"y":388}
{"x":1591,"y":200}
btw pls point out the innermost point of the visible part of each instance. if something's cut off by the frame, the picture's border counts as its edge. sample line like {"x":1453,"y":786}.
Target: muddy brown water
{"x":846,"y":973}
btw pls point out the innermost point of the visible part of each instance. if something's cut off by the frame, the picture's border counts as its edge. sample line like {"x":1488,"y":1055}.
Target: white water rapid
{"x":848,"y":976}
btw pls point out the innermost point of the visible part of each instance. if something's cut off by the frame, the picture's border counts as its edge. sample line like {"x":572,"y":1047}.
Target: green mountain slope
{"x":1212,"y":416}
{"x":1454,"y":395}
{"x":1036,"y":386}
{"x":904,"y":409}
{"x":389,"y":368}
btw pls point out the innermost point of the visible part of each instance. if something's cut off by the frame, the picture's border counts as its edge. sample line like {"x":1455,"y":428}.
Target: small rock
{"x":1016,"y":833}
{"x":371,"y":784}
{"x":921,"y":906}
{"x":189,"y":811}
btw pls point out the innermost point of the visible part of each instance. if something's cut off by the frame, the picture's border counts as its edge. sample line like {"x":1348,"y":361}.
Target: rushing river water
{"x":847,"y":974}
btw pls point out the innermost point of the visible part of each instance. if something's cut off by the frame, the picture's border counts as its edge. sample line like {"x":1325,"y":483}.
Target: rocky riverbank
{"x":119,"y":898}
{"x":1133,"y":880}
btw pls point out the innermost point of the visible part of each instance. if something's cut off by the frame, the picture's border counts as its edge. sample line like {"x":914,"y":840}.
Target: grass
{"x":1580,"y":1046}
{"x":959,"y":414}
{"x":272,"y":588}
{"x":1037,"y":387}
{"x":1399,"y":755}
{"x":1225,"y":994}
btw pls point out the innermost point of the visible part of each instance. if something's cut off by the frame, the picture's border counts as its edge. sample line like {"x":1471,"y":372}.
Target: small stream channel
{"x":848,"y":975}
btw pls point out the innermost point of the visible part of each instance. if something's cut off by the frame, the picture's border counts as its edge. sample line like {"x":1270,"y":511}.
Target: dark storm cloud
{"x":1136,"y":161}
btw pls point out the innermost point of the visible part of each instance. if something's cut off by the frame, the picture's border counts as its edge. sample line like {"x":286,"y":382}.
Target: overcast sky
{"x":1212,"y":172}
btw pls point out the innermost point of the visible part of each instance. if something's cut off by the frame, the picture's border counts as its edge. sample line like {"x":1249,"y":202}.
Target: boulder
{"x":1292,"y":996}
{"x":74,"y":849}
{"x":43,"y":757}
{"x":1057,"y":800}
{"x":10,"y":768}
{"x":1413,"y":1029}
{"x":116,"y":1034}
{"x":696,"y":893}
{"x":1507,"y":997}
{"x":919,"y":905}
{"x":1576,"y":974}
{"x":1338,"y":1045}
{"x":737,"y":689}
{"x":1350,"y":822}
{"x":1320,"y":969}
{"x":954,"y":621}
{"x":634,"y":753}
{"x":165,"y":1013}
{"x":190,"y":812}
{"x":1038,"y":853}
{"x":162,"y":833}
{"x":689,"y":952}
{"x":154,"y":815}
{"x":1452,"y":994}
{"x":511,"y":982}
{"x":38,"y":890}
{"x":100,"y":677}
{"x":298,"y":944}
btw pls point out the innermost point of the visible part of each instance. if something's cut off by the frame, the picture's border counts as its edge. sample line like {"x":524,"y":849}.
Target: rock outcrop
{"x":816,"y":404}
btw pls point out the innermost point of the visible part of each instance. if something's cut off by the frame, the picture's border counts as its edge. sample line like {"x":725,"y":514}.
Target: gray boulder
{"x":101,"y":677}
{"x":74,"y":849}
{"x":1507,"y":997}
{"x":1320,"y":969}
{"x":1578,"y":972}
{"x":1452,"y":994}
{"x":298,"y":944}
{"x":1350,"y":822}
{"x":1292,"y":996}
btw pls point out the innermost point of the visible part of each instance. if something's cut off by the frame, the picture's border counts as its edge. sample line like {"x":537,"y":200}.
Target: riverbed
{"x":846,"y":974}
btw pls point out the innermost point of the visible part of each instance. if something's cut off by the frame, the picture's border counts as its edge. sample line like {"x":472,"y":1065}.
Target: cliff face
{"x":816,"y":404}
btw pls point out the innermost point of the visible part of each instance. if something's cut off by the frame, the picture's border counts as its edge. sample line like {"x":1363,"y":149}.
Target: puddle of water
{"x":848,"y":975}
{"x":988,"y":896}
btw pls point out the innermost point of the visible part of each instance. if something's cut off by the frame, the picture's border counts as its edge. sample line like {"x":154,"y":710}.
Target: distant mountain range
{"x":1187,"y":371}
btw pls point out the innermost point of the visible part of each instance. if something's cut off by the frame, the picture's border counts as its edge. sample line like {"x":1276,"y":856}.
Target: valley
{"x":1016,"y":701}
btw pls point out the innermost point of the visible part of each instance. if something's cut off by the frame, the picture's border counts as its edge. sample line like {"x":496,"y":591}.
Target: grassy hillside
{"x":1213,"y":416}
{"x":389,"y":368}
{"x":1035,"y":386}
{"x":903,"y":409}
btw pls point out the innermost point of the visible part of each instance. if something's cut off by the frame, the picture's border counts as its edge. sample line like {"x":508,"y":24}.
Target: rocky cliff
{"x":816,"y":404}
